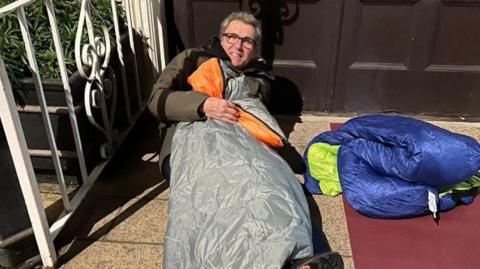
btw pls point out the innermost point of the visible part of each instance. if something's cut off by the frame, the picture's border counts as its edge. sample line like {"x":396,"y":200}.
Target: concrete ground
{"x":123,"y":219}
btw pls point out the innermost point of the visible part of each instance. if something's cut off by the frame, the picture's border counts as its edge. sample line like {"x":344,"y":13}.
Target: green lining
{"x":322,"y":162}
{"x":473,"y":182}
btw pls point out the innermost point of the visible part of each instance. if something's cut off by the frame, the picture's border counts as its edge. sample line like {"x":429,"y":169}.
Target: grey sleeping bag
{"x":234,"y":203}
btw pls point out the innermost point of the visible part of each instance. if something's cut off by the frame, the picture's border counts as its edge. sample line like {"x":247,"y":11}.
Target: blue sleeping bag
{"x":389,"y":165}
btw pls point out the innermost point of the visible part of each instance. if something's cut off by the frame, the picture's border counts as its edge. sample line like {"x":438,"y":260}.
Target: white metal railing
{"x":100,"y":90}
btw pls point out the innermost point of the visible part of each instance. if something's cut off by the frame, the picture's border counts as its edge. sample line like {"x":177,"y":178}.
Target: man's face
{"x":239,"y":50}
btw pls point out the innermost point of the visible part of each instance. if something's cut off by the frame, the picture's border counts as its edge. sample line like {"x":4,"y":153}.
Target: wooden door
{"x":299,"y":42}
{"x":409,"y":56}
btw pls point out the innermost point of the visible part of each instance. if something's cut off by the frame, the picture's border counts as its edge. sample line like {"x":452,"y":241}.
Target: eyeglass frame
{"x":243,"y":40}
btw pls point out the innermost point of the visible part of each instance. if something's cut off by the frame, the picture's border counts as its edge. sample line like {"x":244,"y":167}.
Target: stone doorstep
{"x":122,"y":241}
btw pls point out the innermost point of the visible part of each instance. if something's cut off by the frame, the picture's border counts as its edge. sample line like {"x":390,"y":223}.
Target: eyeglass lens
{"x":246,"y":42}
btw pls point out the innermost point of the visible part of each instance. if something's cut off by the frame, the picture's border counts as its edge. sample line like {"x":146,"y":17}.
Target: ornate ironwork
{"x":92,"y":60}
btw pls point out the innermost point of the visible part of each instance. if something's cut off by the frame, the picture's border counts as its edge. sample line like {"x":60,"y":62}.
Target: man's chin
{"x":237,"y":64}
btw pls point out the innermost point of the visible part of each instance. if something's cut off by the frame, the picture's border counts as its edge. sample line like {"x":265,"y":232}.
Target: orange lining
{"x":208,"y":78}
{"x":259,"y":130}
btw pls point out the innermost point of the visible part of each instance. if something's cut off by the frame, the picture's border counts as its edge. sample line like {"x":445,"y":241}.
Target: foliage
{"x":67,"y":13}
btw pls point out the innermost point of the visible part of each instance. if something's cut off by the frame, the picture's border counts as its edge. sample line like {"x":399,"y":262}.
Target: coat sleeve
{"x":172,"y":98}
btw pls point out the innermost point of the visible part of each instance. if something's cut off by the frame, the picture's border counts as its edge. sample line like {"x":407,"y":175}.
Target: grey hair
{"x":246,"y":18}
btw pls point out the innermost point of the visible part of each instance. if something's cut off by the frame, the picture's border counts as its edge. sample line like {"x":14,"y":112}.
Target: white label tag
{"x":432,"y":203}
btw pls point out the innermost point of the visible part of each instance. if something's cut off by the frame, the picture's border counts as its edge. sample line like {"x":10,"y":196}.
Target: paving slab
{"x":93,"y":219}
{"x":118,"y":255}
{"x":334,"y":223}
{"x":140,"y":221}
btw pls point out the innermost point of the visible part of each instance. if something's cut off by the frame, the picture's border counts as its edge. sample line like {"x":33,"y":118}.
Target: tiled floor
{"x":122,"y":221}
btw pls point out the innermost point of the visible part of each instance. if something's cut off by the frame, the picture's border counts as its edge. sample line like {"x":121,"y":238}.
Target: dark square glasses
{"x":246,"y":42}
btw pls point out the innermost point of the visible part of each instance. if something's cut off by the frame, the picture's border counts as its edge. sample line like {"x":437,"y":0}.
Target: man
{"x":225,"y":184}
{"x":172,"y":99}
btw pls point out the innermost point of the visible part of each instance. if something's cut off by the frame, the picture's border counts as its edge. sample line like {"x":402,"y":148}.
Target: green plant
{"x":67,"y":13}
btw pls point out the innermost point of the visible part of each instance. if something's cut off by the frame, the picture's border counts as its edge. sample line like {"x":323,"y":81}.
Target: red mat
{"x":416,"y":242}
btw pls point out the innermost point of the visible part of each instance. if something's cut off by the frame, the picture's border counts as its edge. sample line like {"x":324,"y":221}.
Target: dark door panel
{"x":202,"y":19}
{"x":458,"y":35}
{"x":409,"y":56}
{"x":292,"y":31}
{"x":435,"y":93}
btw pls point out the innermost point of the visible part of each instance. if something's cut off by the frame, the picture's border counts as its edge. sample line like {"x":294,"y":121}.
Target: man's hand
{"x":220,"y":109}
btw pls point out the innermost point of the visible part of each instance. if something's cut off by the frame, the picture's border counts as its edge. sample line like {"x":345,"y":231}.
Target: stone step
{"x":50,"y":109}
{"x":48,"y":153}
